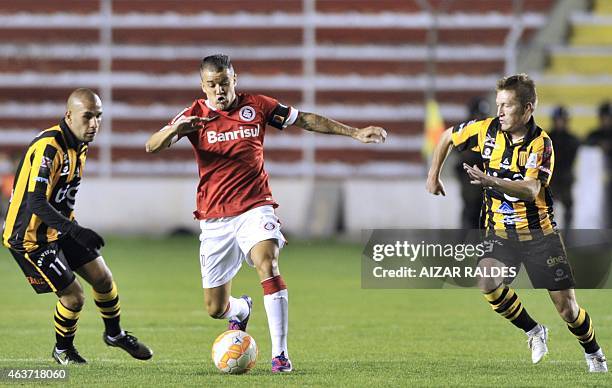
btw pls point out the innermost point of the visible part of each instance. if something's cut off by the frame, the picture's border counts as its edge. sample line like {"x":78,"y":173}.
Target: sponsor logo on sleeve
{"x":532,"y":161}
{"x":465,"y":124}
{"x":65,"y":166}
{"x":489,"y":141}
{"x":544,"y":169}
{"x":278,"y":119}
{"x":488,"y":147}
{"x":46,"y":162}
{"x":68,"y":193}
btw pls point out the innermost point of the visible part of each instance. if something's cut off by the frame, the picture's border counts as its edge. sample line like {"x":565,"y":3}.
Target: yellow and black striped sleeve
{"x":45,"y":163}
{"x":470,"y":134}
{"x":541,"y":160}
{"x":44,"y":175}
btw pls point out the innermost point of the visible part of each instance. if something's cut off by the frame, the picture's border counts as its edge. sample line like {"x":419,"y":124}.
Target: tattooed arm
{"x":316,"y":123}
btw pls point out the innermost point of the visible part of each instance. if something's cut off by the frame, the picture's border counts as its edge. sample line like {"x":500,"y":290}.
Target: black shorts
{"x":50,"y":268}
{"x":544,"y":258}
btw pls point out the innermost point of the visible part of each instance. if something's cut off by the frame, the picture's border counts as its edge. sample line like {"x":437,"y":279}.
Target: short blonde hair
{"x":522,"y":85}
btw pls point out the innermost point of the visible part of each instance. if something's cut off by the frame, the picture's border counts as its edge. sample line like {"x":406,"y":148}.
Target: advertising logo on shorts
{"x":247,"y":113}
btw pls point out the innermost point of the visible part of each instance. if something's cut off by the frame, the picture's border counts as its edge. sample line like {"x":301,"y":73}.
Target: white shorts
{"x":226,"y":242}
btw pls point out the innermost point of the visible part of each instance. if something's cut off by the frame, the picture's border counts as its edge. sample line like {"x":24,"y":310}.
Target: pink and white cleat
{"x":281,"y":364}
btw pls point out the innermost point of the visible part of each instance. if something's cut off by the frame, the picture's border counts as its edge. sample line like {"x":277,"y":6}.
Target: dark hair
{"x":217,"y":62}
{"x":523,"y":87}
{"x":560,"y":112}
{"x":605,"y":109}
{"x":479,"y":108}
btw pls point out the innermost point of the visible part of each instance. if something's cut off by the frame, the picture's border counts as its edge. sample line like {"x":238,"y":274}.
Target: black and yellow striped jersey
{"x":533,"y":156}
{"x":50,"y":171}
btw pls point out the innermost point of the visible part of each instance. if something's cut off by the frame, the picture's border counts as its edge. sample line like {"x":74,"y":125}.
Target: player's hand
{"x":477,"y":177}
{"x":87,"y":237}
{"x":371,"y":135}
{"x":436,"y":187}
{"x":188,"y":124}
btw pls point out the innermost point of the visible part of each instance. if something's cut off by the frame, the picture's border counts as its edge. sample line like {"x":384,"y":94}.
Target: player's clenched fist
{"x":435,"y":187}
{"x":371,"y":135}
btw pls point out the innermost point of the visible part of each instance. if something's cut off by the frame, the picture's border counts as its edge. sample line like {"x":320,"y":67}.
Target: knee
{"x":74,"y":300}
{"x":487,"y":285}
{"x":215,"y":309}
{"x":104,"y":282}
{"x":568,"y":310}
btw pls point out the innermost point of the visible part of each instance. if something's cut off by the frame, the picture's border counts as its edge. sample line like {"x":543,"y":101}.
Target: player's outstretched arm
{"x":317,"y":123}
{"x":168,"y":135}
{"x":526,"y":190}
{"x":443,"y":148}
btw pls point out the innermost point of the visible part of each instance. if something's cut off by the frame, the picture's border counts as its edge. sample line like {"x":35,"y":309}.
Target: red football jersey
{"x":229,"y":153}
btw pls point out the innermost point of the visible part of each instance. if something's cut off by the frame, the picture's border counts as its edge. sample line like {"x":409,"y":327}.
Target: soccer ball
{"x":235,"y":352}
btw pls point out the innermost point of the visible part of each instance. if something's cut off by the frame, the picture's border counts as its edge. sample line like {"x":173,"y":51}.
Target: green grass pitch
{"x":340,"y":334}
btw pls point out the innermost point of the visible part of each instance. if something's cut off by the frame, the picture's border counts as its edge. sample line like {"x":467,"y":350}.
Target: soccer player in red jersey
{"x":234,"y":202}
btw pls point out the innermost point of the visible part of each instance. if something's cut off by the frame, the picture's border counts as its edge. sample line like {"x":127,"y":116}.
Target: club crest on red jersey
{"x":247,"y":113}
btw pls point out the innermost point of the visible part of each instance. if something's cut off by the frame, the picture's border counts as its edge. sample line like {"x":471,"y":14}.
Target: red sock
{"x":273,"y":285}
{"x":276,"y":302}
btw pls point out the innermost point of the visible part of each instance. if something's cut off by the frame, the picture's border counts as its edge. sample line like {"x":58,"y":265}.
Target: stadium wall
{"x":310,"y":207}
{"x":162,"y":205}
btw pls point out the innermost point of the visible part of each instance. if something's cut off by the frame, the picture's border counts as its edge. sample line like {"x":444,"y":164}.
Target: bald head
{"x":83,"y":114}
{"x":82,"y":97}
